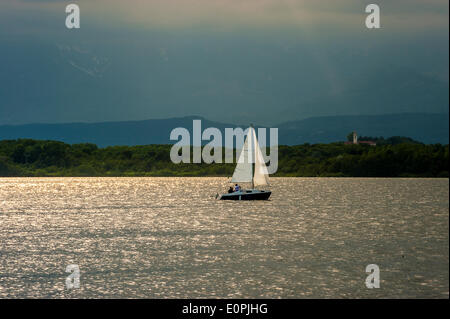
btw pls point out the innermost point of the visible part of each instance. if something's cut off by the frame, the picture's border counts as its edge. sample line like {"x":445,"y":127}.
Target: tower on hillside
{"x":355,"y":138}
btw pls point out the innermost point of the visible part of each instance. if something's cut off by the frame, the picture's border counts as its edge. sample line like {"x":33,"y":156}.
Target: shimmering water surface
{"x":170,"y":238}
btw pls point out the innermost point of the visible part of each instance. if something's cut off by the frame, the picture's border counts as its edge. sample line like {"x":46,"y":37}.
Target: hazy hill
{"x":106,"y":133}
{"x":427,"y":128}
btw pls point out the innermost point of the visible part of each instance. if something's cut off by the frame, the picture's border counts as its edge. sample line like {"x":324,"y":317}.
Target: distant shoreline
{"x":36,"y":158}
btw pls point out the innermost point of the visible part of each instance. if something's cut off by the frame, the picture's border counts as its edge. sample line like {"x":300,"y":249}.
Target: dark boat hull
{"x":247,"y":195}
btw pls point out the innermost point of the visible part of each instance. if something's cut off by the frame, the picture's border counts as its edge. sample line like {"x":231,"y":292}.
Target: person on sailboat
{"x":237,"y":188}
{"x":230,"y":190}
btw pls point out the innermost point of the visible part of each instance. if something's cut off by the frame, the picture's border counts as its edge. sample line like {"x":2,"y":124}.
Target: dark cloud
{"x":107,"y":71}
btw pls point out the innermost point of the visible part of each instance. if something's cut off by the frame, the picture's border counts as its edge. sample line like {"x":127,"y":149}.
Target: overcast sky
{"x":260,"y":61}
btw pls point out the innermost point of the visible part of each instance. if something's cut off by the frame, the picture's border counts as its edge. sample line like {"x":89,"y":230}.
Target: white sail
{"x":251,"y":153}
{"x":243,"y":173}
{"x":261,"y":177}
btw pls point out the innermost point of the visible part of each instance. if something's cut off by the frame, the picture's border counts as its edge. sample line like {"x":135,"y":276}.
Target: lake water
{"x":170,"y":238}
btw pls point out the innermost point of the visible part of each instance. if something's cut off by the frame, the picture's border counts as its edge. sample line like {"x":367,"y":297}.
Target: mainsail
{"x":243,"y":173}
{"x":250,"y":154}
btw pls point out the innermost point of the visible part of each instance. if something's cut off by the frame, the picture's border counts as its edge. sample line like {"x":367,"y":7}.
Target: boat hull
{"x":252,"y":194}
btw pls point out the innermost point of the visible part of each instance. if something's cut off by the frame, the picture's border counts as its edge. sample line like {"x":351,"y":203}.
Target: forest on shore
{"x":393,"y":157}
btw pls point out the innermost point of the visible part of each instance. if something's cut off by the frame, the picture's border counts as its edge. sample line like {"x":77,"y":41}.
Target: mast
{"x":254,"y":154}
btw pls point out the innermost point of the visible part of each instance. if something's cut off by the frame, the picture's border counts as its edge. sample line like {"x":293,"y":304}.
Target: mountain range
{"x":424,"y":127}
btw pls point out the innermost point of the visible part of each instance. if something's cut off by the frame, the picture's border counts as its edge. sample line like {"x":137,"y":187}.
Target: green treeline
{"x":25,"y":157}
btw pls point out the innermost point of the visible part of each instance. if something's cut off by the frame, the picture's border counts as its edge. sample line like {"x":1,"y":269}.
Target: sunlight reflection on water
{"x":170,"y":238}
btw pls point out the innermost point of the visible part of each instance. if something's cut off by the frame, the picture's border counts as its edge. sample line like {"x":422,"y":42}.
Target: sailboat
{"x":250,"y":168}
